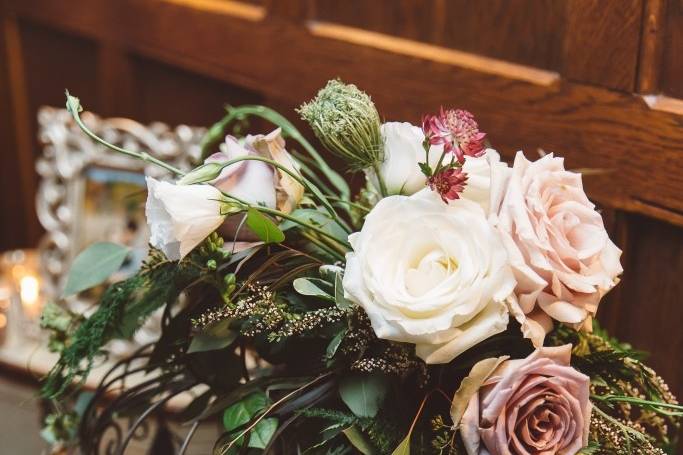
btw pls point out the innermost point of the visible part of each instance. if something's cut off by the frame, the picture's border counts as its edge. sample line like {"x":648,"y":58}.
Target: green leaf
{"x":339,"y":298}
{"x":215,"y":336}
{"x":309,"y":286}
{"x":363,"y":393}
{"x":319,"y":219}
{"x":262,"y":432}
{"x":243,"y":411}
{"x":94,"y":265}
{"x":359,"y":440}
{"x":471,"y":384}
{"x":334,"y":344}
{"x":403,"y":448}
{"x":264,"y":227}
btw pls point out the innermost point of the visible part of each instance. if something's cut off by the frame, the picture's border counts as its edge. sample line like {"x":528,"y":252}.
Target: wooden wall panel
{"x":174,"y":96}
{"x":646,"y":308}
{"x":572,"y":37}
{"x":672,"y":68}
{"x":523,"y":31}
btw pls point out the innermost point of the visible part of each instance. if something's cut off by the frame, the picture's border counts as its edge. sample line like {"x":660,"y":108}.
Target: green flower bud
{"x":346,"y":121}
{"x":211,"y":264}
{"x":201,"y":174}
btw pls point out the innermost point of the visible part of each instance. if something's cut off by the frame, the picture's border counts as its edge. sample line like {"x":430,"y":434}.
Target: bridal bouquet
{"x":447,"y":307}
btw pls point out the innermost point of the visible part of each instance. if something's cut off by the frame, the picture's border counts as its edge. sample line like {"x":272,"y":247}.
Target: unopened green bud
{"x":211,"y":264}
{"x":346,"y":121}
{"x":204,"y":173}
{"x":230,"y":279}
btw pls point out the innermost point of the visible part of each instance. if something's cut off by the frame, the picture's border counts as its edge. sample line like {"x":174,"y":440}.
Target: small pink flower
{"x":457,"y":131}
{"x":449,"y":183}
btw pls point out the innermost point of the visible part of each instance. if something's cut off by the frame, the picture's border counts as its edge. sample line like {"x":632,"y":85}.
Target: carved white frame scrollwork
{"x":68,"y":153}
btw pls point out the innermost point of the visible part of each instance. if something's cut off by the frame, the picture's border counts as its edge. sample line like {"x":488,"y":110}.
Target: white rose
{"x":430,"y":273}
{"x":181,"y":216}
{"x":403,"y":150}
{"x":486,"y":176}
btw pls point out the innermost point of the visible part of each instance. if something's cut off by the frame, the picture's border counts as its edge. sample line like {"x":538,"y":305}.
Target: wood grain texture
{"x":672,"y":65}
{"x":23,"y":176}
{"x":646,"y":306}
{"x":590,"y":126}
{"x":529,"y":32}
{"x":651,"y":46}
{"x":602,"y":42}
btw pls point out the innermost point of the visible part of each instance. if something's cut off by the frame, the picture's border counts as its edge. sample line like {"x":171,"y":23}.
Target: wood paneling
{"x":590,"y":126}
{"x":646,"y":308}
{"x":568,"y":36}
{"x":602,"y":41}
{"x":522,"y":31}
{"x":672,"y":70}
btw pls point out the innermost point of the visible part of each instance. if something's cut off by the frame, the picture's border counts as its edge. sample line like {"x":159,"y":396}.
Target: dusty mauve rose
{"x":562,"y":257}
{"x":532,"y":406}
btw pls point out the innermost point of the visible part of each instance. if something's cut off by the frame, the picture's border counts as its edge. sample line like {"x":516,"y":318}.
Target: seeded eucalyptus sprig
{"x":346,"y":121}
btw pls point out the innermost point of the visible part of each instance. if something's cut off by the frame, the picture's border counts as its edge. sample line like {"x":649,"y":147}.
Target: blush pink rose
{"x":533,"y":406}
{"x":560,"y":253}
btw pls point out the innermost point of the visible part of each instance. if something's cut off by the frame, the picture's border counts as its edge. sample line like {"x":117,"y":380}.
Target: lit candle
{"x":29,"y":291}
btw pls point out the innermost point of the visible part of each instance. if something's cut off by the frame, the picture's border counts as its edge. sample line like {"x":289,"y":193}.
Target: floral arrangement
{"x":446,"y":308}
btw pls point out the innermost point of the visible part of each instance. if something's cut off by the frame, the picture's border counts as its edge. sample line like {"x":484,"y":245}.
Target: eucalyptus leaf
{"x":264,"y":227}
{"x":471,"y":384}
{"x":93,"y":266}
{"x":359,"y":440}
{"x":215,"y":336}
{"x":334,"y":344}
{"x":307,"y":286}
{"x":364,"y":393}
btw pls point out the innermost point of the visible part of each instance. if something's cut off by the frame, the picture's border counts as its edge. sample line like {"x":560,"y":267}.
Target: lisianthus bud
{"x":203,"y":173}
{"x":346,"y":121}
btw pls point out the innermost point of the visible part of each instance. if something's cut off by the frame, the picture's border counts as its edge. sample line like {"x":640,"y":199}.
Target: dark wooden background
{"x":597,"y":81}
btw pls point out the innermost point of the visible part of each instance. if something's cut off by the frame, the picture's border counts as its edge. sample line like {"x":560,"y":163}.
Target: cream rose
{"x":403,"y":150}
{"x":532,"y":406}
{"x":561,"y":255}
{"x":180,"y":217}
{"x":430,"y":273}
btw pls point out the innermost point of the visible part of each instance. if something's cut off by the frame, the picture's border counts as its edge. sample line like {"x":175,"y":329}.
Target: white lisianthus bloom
{"x":403,"y":150}
{"x":430,"y":273}
{"x":181,"y":216}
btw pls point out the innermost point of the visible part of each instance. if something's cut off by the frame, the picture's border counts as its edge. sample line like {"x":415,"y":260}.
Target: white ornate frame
{"x":68,"y":153}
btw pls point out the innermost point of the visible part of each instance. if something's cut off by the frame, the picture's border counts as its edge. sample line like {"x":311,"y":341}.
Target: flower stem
{"x":73,"y":106}
{"x":380,"y":179}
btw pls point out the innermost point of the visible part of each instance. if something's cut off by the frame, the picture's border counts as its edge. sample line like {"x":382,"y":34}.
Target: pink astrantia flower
{"x":449,"y":183}
{"x":457,"y":131}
